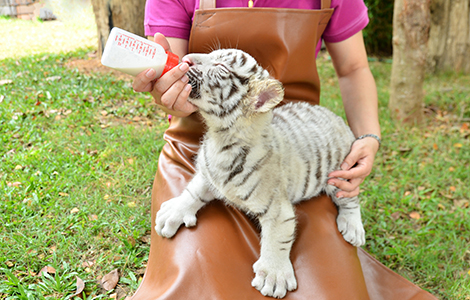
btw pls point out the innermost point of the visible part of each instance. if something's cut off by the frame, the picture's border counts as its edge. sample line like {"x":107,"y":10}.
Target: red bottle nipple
{"x":171,"y":62}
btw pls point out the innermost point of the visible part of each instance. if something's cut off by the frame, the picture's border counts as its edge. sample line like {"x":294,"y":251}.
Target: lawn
{"x":79,"y":151}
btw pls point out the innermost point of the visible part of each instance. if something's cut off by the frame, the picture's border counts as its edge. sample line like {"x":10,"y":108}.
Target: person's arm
{"x":170,"y":91}
{"x":359,"y":94}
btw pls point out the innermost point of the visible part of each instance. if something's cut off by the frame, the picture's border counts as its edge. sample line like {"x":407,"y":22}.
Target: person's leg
{"x":214,"y":259}
{"x":384,"y":284}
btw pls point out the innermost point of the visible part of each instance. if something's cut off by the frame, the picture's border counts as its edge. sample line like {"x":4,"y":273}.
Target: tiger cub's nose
{"x":193,"y":59}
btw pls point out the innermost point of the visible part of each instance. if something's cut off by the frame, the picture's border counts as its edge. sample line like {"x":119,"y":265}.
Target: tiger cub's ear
{"x":264,"y":95}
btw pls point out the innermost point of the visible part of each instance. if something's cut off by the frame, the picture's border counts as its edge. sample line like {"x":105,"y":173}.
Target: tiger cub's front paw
{"x":172,"y":214}
{"x":274,"y":279}
{"x":350,"y":226}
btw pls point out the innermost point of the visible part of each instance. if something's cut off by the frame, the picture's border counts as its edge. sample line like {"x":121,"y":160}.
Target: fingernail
{"x":185,"y":79}
{"x":344,"y":166}
{"x":184,"y":67}
{"x":151,"y":73}
{"x":331,"y":183}
{"x":187,"y":87}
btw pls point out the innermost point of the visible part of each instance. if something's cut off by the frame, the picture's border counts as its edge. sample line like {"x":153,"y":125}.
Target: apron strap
{"x":325,"y":4}
{"x":206,"y":4}
{"x":210,"y":4}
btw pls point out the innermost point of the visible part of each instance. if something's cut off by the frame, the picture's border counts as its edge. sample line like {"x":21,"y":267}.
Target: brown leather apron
{"x":214,"y":260}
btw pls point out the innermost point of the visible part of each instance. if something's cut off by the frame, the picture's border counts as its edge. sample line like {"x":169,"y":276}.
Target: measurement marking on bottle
{"x":134,"y":45}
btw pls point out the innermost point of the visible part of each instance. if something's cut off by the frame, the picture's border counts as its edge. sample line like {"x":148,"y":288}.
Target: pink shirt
{"x":173,"y":18}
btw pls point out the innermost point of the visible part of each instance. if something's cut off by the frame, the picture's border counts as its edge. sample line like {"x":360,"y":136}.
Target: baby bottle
{"x":132,"y":54}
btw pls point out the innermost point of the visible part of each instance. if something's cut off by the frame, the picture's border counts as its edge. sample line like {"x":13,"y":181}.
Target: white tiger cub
{"x":261,"y":160}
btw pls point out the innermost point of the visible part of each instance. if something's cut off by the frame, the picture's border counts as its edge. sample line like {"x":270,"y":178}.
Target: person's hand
{"x":355,"y":168}
{"x":171,"y":90}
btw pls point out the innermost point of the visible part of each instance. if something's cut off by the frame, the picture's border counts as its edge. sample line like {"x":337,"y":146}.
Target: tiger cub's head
{"x":229,"y":83}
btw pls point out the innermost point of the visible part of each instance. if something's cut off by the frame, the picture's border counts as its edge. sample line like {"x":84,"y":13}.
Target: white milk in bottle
{"x":132,"y":54}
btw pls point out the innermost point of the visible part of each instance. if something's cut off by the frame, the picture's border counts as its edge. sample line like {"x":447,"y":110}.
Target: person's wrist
{"x":371,"y":136}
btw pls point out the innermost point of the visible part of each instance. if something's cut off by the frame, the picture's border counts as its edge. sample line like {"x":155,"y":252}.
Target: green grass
{"x":423,"y":170}
{"x":78,"y":154}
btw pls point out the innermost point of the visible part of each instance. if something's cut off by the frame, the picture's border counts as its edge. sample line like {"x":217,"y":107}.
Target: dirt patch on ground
{"x":92,"y":65}
{"x":21,"y":38}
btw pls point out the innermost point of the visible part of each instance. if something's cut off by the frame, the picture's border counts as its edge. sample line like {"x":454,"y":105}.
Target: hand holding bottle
{"x":171,"y":91}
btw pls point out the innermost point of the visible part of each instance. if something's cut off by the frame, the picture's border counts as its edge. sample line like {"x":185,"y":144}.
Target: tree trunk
{"x":449,"y":40}
{"x":127,"y":15}
{"x":411,"y":22}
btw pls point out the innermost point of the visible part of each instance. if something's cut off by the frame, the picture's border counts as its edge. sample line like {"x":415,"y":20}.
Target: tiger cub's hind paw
{"x":350,"y":226}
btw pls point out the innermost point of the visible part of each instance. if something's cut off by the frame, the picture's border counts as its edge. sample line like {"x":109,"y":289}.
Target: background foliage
{"x":378,"y":34}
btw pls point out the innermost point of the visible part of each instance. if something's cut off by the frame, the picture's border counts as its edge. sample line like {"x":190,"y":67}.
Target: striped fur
{"x":261,"y":159}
